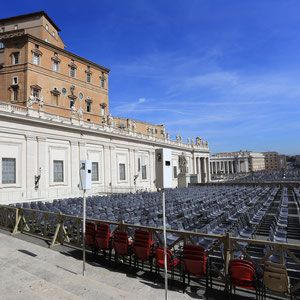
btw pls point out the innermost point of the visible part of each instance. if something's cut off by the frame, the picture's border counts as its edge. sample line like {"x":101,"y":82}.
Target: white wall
{"x":35,"y":144}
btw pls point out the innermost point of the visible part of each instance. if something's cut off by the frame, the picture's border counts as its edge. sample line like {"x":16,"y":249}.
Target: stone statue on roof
{"x":80,"y":113}
{"x":41,"y":102}
{"x":110,"y":120}
{"x":73,"y":111}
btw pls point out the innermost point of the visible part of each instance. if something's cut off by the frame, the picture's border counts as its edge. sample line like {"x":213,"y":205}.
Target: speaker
{"x":163,"y":159}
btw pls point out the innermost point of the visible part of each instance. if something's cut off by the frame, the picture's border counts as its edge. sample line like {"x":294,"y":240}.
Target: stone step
{"x":43,"y":266}
{"x":38,"y":273}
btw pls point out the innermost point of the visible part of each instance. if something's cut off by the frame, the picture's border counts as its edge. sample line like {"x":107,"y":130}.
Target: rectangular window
{"x":3,"y":29}
{"x":95,"y":171}
{"x":15,"y":94}
{"x":1,"y":45}
{"x":88,"y":106}
{"x":103,"y":111}
{"x":35,"y":93}
{"x":88,"y":77}
{"x":15,"y":58}
{"x":102,"y":83}
{"x":8,"y":170}
{"x":72,"y":71}
{"x":36,"y":59}
{"x":71,"y":103}
{"x":58,"y":171}
{"x":55,"y":66}
{"x":155,"y":130}
{"x":122,"y":171}
{"x":175,"y":172}
{"x":144,"y":172}
{"x":15,"y":80}
{"x":16,"y":27}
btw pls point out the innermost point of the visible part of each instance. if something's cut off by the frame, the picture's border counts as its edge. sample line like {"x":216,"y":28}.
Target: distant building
{"x":274,"y":161}
{"x":236,"y":162}
{"x":297,"y":161}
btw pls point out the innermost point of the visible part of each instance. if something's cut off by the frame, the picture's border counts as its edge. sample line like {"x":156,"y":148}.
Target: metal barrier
{"x":66,"y":229}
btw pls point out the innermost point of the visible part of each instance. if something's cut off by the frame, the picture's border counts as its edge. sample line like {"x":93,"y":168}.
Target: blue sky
{"x":224,"y":70}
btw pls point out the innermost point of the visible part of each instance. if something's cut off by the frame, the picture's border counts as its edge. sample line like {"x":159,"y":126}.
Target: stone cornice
{"x":37,"y":51}
{"x":36,"y":87}
{"x":11,"y":34}
{"x":24,"y":114}
{"x":72,"y":65}
{"x":56,"y":59}
{"x":72,"y":97}
{"x":55,"y":92}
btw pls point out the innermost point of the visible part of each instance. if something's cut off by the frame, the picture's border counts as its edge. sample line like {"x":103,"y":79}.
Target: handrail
{"x":66,"y":229}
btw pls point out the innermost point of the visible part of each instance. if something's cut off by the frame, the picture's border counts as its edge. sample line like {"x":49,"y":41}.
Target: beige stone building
{"x":54,"y":112}
{"x":274,"y":161}
{"x":36,"y":70}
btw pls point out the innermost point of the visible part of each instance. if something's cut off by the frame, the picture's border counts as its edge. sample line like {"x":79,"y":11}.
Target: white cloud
{"x":142,"y":100}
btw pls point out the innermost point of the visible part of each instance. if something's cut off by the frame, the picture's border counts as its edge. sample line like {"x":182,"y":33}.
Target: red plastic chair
{"x":242,"y":274}
{"x":103,"y":238}
{"x":172,"y":262}
{"x":194,"y":263}
{"x":90,"y":235}
{"x":122,"y":245}
{"x":142,"y":247}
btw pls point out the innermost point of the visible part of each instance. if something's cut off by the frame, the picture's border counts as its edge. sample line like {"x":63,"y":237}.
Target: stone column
{"x":82,"y":150}
{"x":106,"y":169}
{"x":114,"y":173}
{"x":43,"y":164}
{"x":205,"y":169}
{"x":32,"y":169}
{"x":246,"y":165}
{"x":194,"y":164}
{"x":132,"y":168}
{"x":208,"y":170}
{"x":74,"y":166}
{"x":151,"y":165}
{"x":200,"y":169}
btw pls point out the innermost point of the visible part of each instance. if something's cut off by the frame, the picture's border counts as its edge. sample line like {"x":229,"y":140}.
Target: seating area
{"x":292,"y":175}
{"x":246,"y":212}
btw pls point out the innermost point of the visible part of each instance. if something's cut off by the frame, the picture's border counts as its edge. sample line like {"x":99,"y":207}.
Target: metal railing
{"x":59,"y":229}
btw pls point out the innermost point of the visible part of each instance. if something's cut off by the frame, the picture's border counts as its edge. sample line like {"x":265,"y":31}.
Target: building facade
{"x":54,"y":112}
{"x":236,"y":162}
{"x":36,"y":70}
{"x":274,"y":161}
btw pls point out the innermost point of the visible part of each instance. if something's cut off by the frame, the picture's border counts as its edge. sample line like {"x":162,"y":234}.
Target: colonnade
{"x":203,"y":168}
{"x":229,"y":166}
